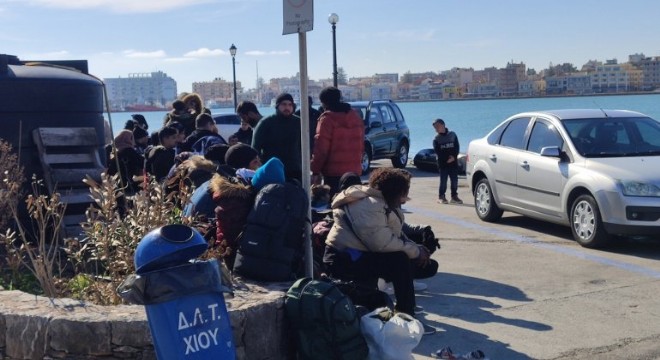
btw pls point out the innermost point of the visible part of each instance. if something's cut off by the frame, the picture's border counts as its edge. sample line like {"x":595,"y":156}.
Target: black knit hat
{"x":139,"y":133}
{"x":283,"y":97}
{"x":216,"y":153}
{"x":140,"y":120}
{"x":240,"y":155}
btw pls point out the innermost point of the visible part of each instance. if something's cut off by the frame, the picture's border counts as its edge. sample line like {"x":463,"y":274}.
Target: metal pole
{"x":304,"y":147}
{"x":334,"y":55}
{"x":233,"y":65}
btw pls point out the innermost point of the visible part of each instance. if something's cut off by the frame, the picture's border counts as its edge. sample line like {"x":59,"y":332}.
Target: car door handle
{"x":493,"y":157}
{"x":524,"y":165}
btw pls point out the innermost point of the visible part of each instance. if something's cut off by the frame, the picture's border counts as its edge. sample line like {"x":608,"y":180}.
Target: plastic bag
{"x":389,"y":335}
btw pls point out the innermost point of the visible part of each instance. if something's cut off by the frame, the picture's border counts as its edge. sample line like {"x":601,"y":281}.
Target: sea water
{"x":469,"y":119}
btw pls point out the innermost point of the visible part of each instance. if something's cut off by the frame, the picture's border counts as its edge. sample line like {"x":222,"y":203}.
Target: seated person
{"x":366,"y":241}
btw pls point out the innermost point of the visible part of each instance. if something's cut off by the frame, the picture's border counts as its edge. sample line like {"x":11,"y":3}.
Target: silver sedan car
{"x":595,"y":170}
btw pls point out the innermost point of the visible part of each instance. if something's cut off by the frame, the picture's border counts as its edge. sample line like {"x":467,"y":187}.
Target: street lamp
{"x":334,"y":19}
{"x":232,"y":51}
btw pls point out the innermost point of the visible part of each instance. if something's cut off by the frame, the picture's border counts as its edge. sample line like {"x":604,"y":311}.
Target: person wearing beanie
{"x":179,"y":113}
{"x":141,"y":121}
{"x":278,"y":136}
{"x":339,"y":141}
{"x":241,"y":156}
{"x":271,"y":172}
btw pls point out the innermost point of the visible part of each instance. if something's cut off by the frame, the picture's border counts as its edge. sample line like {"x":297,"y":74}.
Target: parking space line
{"x":540,"y":244}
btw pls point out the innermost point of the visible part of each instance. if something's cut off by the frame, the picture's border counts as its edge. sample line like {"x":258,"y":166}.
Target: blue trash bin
{"x":183,"y":299}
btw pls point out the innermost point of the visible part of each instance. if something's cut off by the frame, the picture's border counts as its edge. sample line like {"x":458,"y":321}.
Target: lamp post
{"x":334,"y":19}
{"x":232,"y":51}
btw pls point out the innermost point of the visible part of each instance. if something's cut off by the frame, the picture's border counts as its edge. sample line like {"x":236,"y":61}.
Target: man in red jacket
{"x":339,"y":140}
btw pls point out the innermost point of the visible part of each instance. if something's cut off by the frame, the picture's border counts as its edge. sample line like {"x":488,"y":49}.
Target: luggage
{"x":325,"y":320}
{"x":271,"y":246}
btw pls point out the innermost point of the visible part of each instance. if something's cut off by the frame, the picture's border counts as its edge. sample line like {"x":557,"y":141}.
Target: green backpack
{"x":326,"y":322}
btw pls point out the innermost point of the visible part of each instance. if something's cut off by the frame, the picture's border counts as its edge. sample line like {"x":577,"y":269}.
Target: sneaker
{"x":419,"y":286}
{"x":444,"y":353}
{"x":443,"y":200}
{"x":385,"y":287}
{"x":428,"y":329}
{"x":456,"y":200}
{"x":477,"y":355}
{"x":418,"y":310}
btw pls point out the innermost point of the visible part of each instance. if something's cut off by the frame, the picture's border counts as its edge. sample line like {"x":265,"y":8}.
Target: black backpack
{"x":271,"y":246}
{"x":326,"y":322}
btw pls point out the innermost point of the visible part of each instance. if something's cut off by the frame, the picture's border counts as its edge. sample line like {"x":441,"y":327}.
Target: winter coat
{"x":279,"y":136}
{"x":196,"y":135}
{"x":159,"y":162}
{"x":233,"y":202}
{"x":131,"y":163}
{"x":339,"y":143}
{"x":379,"y":228}
{"x":244,"y":136}
{"x":446,"y":145}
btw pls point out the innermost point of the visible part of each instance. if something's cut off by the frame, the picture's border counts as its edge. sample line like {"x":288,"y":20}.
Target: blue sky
{"x":189,"y":39}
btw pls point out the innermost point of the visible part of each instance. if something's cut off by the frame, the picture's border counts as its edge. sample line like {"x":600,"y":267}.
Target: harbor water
{"x":470,"y":119}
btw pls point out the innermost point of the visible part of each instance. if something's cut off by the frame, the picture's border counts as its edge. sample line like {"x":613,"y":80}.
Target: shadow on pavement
{"x":455,"y":297}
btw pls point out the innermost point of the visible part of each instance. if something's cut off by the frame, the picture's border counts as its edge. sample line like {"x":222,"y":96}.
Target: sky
{"x":190,"y":39}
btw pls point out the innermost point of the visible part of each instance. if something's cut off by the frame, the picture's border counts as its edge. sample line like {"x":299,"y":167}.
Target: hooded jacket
{"x":339,"y":143}
{"x":279,"y":136}
{"x":379,"y":228}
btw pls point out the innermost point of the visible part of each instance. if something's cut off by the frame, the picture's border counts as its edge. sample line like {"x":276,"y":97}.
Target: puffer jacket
{"x":338,"y":143}
{"x":378,"y":227}
{"x":234,"y":201}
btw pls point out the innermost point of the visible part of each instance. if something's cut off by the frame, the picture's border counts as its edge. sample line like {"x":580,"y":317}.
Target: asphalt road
{"x":523,"y":289}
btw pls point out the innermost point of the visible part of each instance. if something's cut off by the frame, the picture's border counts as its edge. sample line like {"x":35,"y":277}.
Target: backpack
{"x":271,"y":245}
{"x":200,"y":146}
{"x":326,"y":322}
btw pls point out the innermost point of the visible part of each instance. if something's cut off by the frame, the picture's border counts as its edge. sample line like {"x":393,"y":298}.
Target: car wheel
{"x":400,"y":160}
{"x":366,"y":161}
{"x":484,"y":203}
{"x":586,"y":225}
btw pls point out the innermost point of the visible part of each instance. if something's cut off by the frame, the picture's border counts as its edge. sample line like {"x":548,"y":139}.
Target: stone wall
{"x":35,"y":327}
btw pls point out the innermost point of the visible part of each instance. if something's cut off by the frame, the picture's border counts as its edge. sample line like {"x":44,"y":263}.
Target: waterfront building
{"x":612,"y":77}
{"x":386,"y":78}
{"x":218,"y":92}
{"x":509,"y":78}
{"x":532,"y":87}
{"x":149,"y":90}
{"x":651,"y":73}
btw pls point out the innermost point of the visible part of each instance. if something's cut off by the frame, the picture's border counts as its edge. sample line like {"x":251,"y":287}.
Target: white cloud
{"x":179,"y":59}
{"x":144,"y":54}
{"x":265,"y":53}
{"x":121,"y":6}
{"x":205,"y":52}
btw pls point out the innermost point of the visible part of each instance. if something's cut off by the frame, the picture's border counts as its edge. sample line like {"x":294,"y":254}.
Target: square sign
{"x":298,"y":16}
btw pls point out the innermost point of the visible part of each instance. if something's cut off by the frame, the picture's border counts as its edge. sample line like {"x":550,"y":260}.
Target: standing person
{"x":180,"y":114}
{"x":249,"y":113}
{"x":244,"y":133}
{"x":339,"y":141}
{"x":313,"y":121}
{"x":446,"y":149}
{"x":279,"y":136}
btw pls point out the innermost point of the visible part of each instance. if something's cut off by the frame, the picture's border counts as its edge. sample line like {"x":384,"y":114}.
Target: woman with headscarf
{"x":126,"y":161}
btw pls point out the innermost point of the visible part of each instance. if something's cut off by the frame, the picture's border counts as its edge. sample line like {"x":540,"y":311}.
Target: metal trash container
{"x":183,"y":297}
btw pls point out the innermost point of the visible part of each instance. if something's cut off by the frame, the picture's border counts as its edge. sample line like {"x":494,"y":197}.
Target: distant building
{"x":218,"y":92}
{"x":612,"y":77}
{"x":154,"y":89}
{"x":651,"y":73}
{"x":387,"y":78}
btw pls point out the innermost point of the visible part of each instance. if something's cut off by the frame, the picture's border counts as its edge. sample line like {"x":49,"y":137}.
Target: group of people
{"x":369,"y":239}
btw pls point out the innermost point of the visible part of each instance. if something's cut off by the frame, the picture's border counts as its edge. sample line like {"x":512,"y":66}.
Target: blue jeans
{"x":452,"y":173}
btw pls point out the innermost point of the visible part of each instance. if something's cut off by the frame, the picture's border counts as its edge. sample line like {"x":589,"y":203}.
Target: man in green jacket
{"x":279,"y":136}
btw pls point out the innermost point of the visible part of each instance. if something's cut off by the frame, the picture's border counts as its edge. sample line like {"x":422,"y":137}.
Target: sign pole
{"x":304,"y":145}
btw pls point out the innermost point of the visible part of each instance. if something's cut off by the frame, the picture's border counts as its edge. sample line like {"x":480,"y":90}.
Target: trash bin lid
{"x":168,"y":246}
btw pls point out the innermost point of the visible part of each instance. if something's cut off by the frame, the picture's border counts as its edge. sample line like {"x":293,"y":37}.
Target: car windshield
{"x":614,"y":137}
{"x":360,"y":110}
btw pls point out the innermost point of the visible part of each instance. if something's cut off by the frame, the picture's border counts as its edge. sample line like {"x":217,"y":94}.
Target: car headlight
{"x":636,"y":188}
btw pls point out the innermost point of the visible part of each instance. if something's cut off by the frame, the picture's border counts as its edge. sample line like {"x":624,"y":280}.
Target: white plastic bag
{"x":391,"y":336}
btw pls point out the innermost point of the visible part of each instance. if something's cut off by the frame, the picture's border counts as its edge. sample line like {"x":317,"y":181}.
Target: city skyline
{"x":189,"y":40}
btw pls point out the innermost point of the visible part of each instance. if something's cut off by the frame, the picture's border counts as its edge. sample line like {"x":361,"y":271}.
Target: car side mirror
{"x":551,"y":151}
{"x":376,"y":124}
